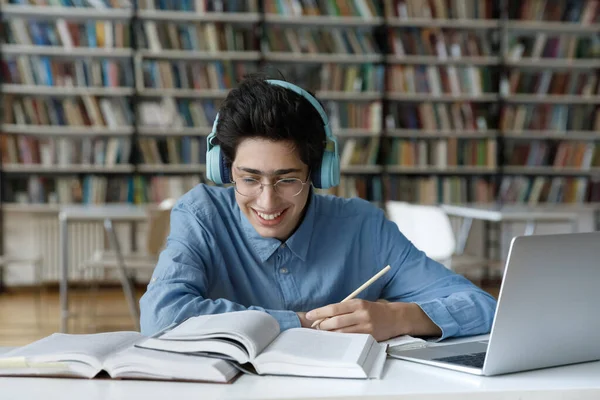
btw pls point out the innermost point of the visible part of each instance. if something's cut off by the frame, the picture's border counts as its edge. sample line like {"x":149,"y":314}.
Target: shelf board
{"x":72,"y":168}
{"x":553,"y":63}
{"x":435,"y":60}
{"x":41,"y":130}
{"x":200,"y":55}
{"x":552,"y":27}
{"x":348,"y":96}
{"x":63,"y":91}
{"x":179,"y":131}
{"x":190,"y":16}
{"x":55,"y":208}
{"x":555,"y":135}
{"x":361,"y":169}
{"x":187,"y":93}
{"x":450,"y":170}
{"x":63,"y":52}
{"x":444,"y":23}
{"x":550,"y":170}
{"x":417,"y":97}
{"x":172,"y":168}
{"x":37,"y":208}
{"x":322,"y":20}
{"x":433,"y":134}
{"x":551,"y":99}
{"x":355,"y":132}
{"x":70,"y":13}
{"x":286,"y":56}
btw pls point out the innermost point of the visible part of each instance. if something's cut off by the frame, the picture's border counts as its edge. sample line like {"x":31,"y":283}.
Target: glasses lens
{"x":247,"y":187}
{"x":289,"y":187}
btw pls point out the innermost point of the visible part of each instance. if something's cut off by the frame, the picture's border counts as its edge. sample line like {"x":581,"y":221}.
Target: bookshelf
{"x":432,"y":101}
{"x":551,"y":113}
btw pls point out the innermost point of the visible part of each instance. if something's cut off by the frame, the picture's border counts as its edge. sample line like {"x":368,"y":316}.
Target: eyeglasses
{"x":287,"y":187}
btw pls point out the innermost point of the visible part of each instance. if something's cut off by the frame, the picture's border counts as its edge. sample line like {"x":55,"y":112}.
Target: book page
{"x":89,"y":348}
{"x":313,"y":347}
{"x":405,"y":342}
{"x":254,"y":329}
{"x":133,"y":362}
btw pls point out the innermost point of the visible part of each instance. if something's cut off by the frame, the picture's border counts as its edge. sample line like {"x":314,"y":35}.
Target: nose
{"x":267,"y":200}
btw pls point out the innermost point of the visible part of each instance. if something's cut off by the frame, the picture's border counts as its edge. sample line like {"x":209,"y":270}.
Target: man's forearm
{"x":412,"y":320}
{"x":159,"y":311}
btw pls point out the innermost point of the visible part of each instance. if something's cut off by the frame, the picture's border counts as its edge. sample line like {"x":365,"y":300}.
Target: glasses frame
{"x":262,"y":186}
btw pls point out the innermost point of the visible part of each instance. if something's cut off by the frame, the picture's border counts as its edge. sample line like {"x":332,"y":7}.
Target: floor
{"x":19,"y":309}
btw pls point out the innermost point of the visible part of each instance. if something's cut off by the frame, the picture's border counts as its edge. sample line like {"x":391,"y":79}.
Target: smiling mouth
{"x":269,"y":219}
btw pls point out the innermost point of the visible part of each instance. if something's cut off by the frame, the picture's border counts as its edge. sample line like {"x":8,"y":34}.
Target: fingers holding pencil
{"x":351,"y":295}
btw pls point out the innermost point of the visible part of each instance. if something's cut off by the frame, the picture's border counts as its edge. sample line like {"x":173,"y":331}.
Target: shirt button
{"x":282,"y":245}
{"x":283,"y":270}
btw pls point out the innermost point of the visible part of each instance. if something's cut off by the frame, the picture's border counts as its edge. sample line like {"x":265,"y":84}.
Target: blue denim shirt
{"x":215,"y":262}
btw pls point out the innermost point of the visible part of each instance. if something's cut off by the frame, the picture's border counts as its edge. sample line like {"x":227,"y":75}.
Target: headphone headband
{"x":328,"y":175}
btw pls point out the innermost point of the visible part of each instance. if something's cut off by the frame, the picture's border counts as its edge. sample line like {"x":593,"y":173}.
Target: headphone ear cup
{"x":330,"y":170}
{"x":213,"y":165}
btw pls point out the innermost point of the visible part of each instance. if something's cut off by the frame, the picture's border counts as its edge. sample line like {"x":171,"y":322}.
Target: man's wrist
{"x":401,"y":322}
{"x":411,"y":320}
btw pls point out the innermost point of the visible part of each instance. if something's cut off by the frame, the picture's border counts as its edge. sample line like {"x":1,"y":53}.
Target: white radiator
{"x":84,"y":239}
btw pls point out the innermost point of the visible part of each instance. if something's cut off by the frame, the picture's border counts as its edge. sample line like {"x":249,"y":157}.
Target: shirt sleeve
{"x":452,"y":302}
{"x":179,"y":283}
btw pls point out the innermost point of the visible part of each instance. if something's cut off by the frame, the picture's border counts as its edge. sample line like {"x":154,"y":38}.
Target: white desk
{"x":106,"y":214}
{"x":510,"y":213}
{"x":401,"y":380}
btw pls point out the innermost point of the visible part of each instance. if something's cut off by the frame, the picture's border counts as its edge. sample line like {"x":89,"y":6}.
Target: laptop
{"x":548,"y":311}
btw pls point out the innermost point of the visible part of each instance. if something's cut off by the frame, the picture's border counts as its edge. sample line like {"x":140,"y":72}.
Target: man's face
{"x":272,"y":214}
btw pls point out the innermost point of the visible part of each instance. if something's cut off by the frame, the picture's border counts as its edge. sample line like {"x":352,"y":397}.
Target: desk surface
{"x":497,"y":213}
{"x":401,"y":379}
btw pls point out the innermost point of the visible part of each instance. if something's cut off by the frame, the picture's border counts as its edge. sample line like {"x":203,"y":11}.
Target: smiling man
{"x":270,"y":243}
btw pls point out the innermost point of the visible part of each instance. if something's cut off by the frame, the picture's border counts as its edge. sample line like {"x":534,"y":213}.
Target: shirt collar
{"x":297,"y":243}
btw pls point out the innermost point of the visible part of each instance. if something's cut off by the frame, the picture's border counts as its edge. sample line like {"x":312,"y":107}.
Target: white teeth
{"x":268,"y":216}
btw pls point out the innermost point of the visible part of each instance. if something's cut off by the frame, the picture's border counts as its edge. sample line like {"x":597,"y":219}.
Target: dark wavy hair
{"x":257,"y":109}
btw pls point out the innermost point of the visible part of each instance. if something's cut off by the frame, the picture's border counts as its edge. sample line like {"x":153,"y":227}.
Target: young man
{"x":270,"y":243}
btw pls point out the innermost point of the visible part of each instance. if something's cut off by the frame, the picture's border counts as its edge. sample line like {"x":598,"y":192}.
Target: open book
{"x":86,"y":356}
{"x":253,"y":338}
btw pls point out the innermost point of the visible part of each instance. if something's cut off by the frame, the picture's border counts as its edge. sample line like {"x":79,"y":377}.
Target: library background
{"x":479,"y":115}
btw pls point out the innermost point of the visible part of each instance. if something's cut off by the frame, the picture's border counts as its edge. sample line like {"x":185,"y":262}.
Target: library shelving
{"x":432,"y":100}
{"x":550,"y":119}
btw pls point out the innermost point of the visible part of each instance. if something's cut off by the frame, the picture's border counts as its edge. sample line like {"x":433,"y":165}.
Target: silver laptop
{"x":548,"y":311}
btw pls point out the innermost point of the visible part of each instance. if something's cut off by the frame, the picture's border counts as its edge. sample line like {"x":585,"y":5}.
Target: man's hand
{"x":382,"y":320}
{"x":305,"y":323}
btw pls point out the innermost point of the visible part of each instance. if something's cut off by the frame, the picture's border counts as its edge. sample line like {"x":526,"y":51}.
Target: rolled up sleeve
{"x":452,"y":302}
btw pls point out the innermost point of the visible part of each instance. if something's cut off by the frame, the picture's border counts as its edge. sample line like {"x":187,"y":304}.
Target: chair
{"x":127,"y":265}
{"x":36,"y":262}
{"x":429,"y":229}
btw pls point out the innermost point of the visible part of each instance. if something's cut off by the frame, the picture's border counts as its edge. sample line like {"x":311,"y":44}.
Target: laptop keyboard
{"x":469,"y":360}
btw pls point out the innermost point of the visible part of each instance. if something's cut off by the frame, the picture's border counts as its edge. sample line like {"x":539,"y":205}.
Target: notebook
{"x":253,"y":340}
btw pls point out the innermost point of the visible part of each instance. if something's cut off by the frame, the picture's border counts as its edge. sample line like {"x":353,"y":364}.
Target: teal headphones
{"x":328,"y":175}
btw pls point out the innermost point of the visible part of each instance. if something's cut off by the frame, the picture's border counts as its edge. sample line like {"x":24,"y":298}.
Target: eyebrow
{"x":274,"y":173}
